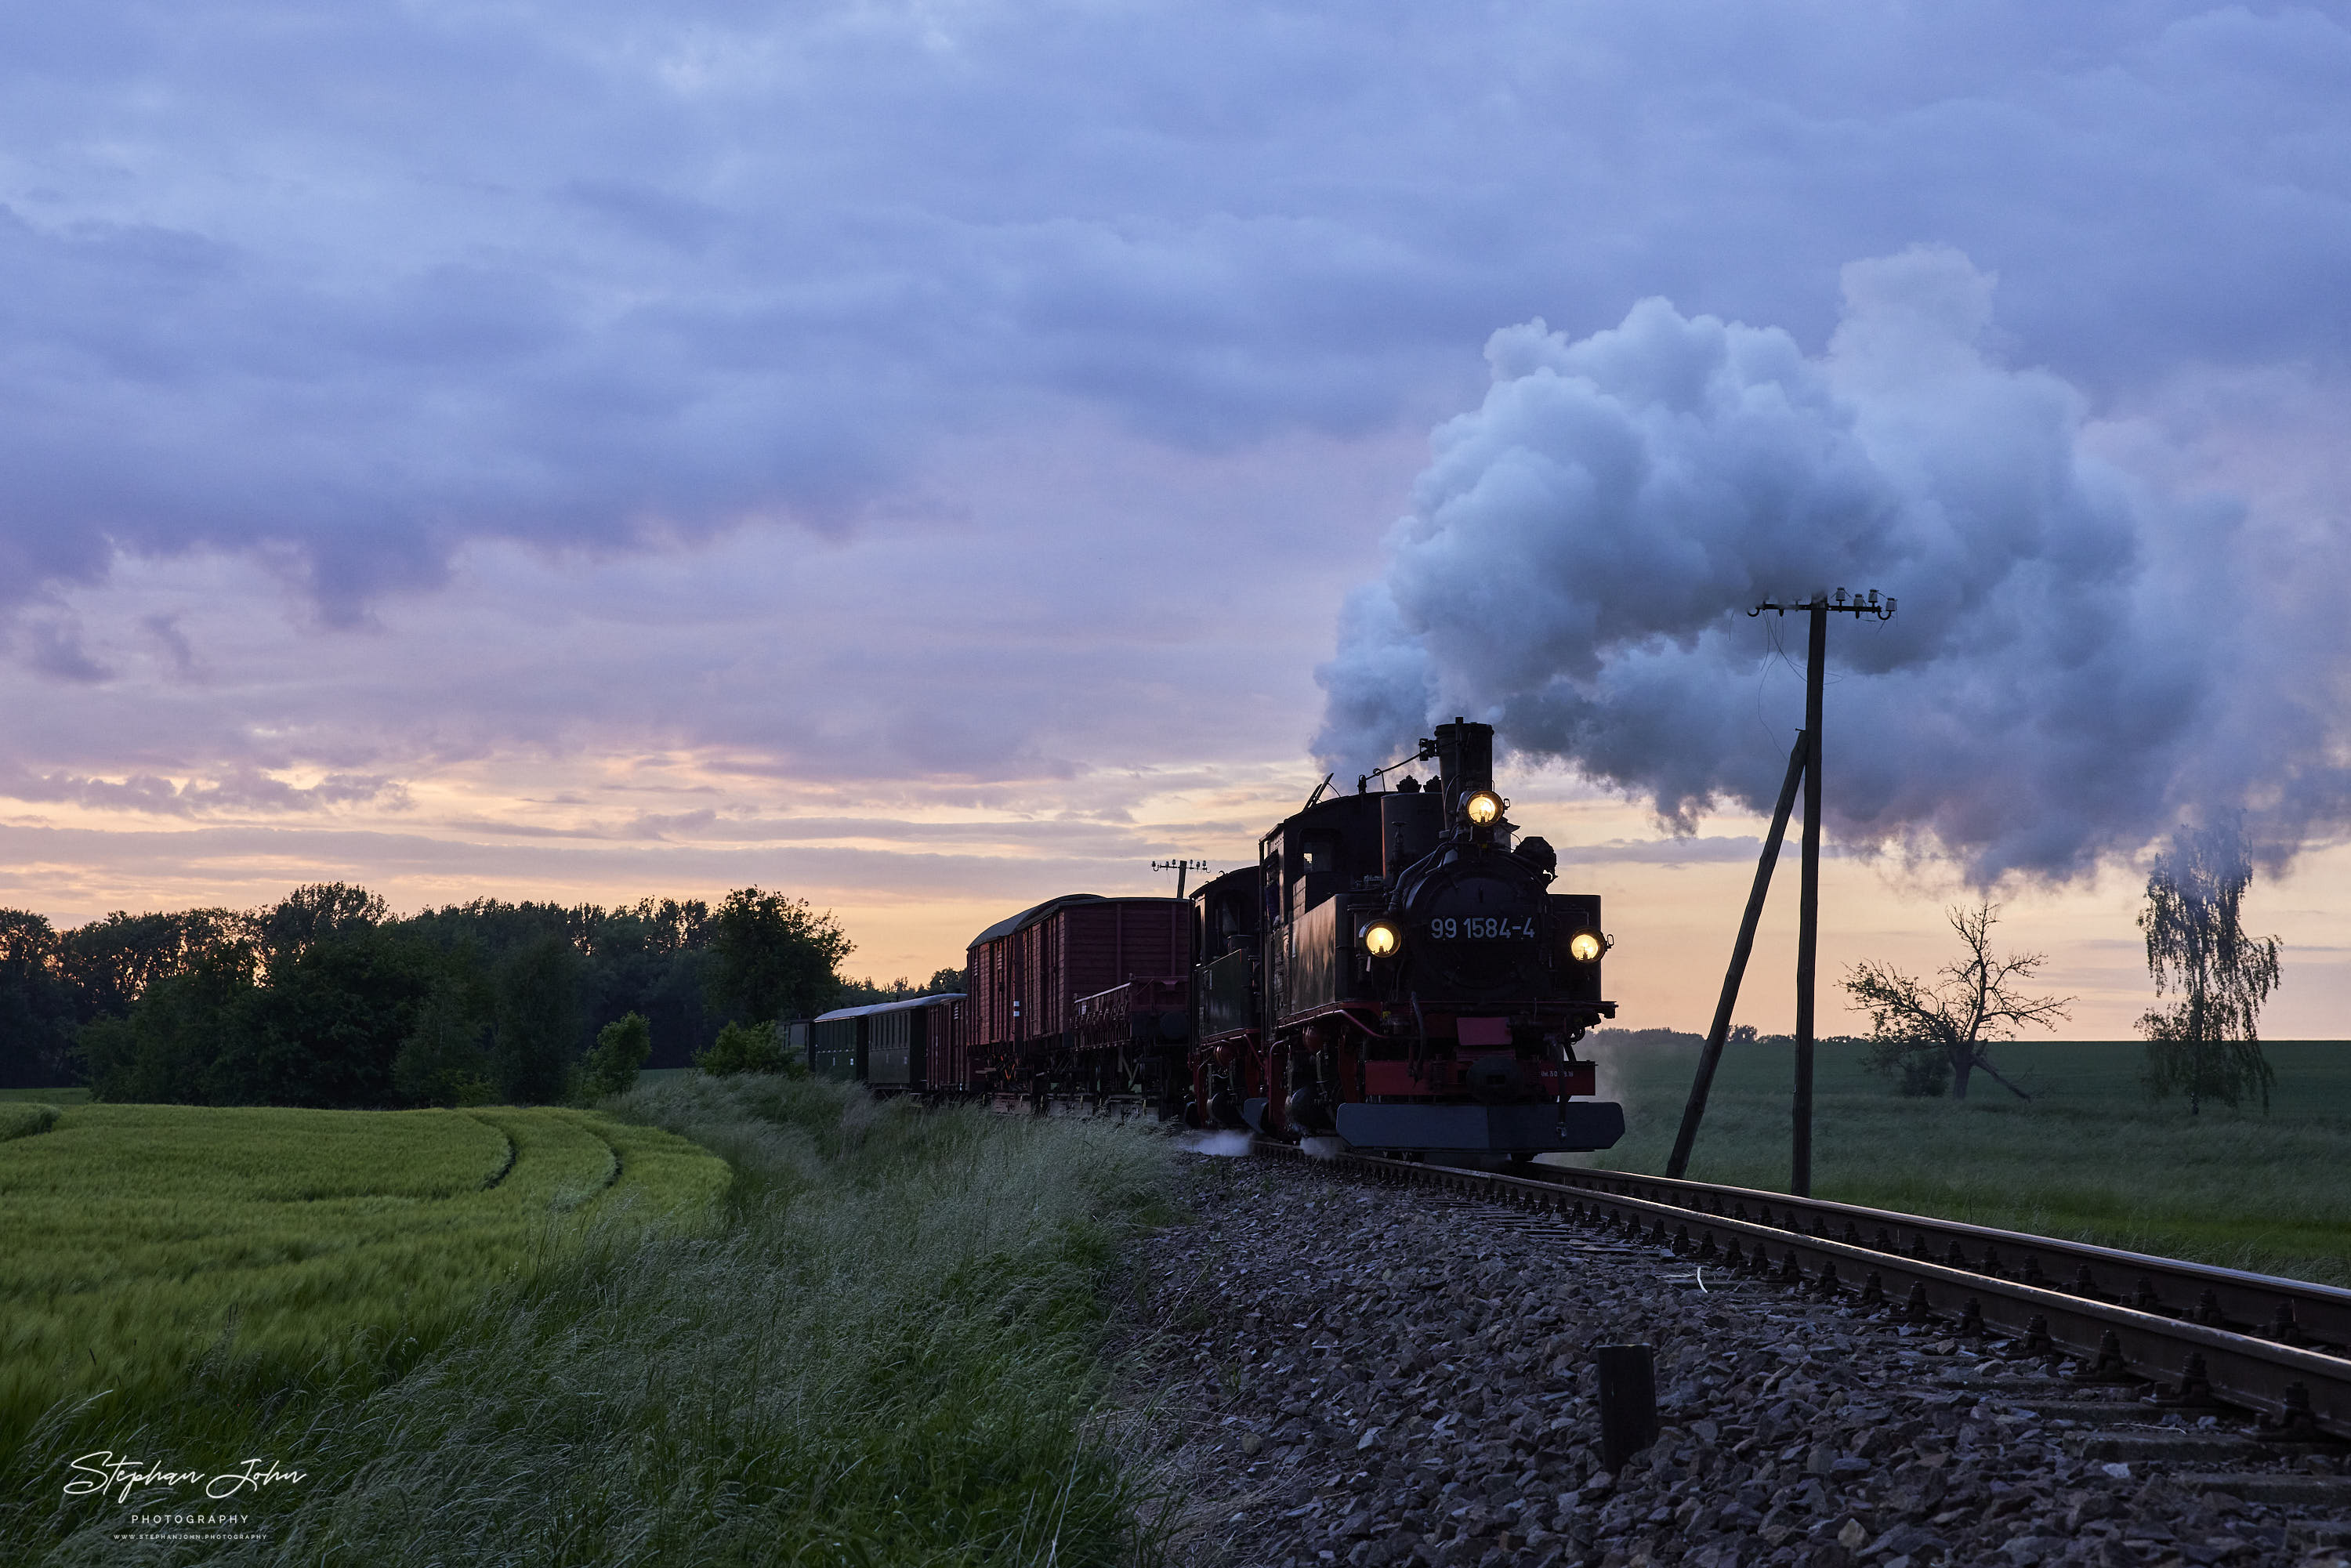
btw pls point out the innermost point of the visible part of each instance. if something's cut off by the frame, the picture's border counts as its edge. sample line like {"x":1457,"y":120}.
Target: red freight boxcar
{"x":1024,"y":976}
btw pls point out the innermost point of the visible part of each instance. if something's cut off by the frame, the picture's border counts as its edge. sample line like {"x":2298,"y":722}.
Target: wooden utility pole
{"x":1179,"y":867}
{"x":1805,"y":758}
{"x":1808,"y":902}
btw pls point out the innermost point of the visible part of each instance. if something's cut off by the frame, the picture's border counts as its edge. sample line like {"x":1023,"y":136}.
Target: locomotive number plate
{"x":1480,"y":927}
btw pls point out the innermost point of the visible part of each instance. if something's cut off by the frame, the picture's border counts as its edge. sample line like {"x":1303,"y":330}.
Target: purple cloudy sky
{"x":932,"y":457}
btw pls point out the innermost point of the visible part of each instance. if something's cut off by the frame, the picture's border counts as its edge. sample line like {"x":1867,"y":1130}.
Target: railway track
{"x":2195,"y":1337}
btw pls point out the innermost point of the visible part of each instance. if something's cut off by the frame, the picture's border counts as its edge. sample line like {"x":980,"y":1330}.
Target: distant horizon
{"x":1659,"y":912}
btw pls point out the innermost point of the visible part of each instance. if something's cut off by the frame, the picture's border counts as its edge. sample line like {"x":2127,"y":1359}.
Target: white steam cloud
{"x":2081,"y":658}
{"x":1221,"y":1145}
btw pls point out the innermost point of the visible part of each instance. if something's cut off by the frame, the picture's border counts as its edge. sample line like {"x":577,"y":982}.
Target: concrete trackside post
{"x":1628,"y":1402}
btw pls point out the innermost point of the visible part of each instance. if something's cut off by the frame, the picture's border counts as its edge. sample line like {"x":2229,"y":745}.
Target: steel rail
{"x":2302,"y":1395}
{"x":2290,"y":1312}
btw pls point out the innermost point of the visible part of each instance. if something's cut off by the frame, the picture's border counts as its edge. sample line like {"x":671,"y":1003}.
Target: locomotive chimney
{"x":1464,"y":756}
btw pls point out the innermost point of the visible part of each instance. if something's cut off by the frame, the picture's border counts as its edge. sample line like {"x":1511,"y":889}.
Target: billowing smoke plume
{"x":2080,"y":658}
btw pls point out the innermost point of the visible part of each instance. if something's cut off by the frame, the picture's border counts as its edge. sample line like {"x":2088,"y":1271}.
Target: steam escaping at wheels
{"x":1223,"y":1145}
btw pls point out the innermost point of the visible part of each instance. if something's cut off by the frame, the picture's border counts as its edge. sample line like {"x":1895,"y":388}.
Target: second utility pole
{"x":1808,"y":901}
{"x":1804,"y":759}
{"x":1180,"y":867}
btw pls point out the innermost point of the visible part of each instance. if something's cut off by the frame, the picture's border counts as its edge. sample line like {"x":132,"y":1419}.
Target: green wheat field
{"x":714,"y":1322}
{"x":144,"y":1239}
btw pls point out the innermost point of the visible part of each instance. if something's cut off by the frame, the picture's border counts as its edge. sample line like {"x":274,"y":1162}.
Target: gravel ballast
{"x":1375,"y":1376}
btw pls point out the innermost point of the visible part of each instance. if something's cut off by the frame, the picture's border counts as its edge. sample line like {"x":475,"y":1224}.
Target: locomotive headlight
{"x":1482,"y":808}
{"x":1585,"y":947}
{"x":1381,"y":937}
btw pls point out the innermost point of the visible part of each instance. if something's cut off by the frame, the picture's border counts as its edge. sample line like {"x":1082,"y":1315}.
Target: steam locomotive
{"x":1394,"y":971}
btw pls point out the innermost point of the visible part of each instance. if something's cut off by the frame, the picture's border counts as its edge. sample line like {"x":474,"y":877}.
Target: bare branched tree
{"x":2208,"y":1042}
{"x":1936,"y":1035}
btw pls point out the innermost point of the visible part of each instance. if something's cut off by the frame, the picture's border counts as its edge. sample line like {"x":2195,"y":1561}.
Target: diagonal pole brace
{"x":1712,"y":1055}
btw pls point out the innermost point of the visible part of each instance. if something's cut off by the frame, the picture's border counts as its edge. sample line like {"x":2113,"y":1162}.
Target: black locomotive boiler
{"x":1395,"y":970}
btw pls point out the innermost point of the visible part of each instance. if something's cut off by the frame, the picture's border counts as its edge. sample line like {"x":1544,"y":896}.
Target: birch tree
{"x":2208,"y":1043}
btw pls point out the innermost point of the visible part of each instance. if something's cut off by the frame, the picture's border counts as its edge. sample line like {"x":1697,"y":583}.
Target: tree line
{"x":326,"y":998}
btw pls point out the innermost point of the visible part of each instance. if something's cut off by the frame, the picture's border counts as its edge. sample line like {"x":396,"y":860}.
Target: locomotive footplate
{"x":1577,"y":1126}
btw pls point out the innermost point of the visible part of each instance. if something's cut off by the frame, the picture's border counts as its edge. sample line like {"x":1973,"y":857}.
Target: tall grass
{"x":2088,"y":1158}
{"x":885,"y":1354}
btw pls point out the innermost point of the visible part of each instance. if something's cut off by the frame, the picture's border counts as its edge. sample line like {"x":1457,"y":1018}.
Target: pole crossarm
{"x":1839,"y":605}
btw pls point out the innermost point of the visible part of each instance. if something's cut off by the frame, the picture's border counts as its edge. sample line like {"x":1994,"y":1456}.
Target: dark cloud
{"x":351,"y":288}
{"x":53,"y":647}
{"x":2081,"y":658}
{"x":1005,"y":657}
{"x":1688,"y":849}
{"x":165,"y":630}
{"x":248,"y":792}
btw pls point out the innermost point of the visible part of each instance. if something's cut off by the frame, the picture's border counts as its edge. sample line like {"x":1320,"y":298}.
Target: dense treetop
{"x":326,"y":998}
